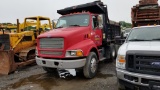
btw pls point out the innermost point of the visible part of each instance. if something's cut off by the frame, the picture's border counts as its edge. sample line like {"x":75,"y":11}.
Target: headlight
{"x":74,"y":53}
{"x":120,"y":62}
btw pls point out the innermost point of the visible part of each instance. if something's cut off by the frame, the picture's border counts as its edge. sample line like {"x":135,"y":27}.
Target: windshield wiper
{"x":138,"y":40}
{"x":59,"y":27}
{"x":75,"y":25}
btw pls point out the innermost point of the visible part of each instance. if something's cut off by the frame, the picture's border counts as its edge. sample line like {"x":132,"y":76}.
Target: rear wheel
{"x":50,"y":70}
{"x":91,"y":66}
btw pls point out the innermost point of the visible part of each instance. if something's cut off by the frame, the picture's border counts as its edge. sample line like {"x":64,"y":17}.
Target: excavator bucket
{"x":7,"y":63}
{"x":6,"y":55}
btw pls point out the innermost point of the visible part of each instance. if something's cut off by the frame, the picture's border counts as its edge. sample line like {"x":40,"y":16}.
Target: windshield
{"x":73,"y":20}
{"x":144,"y":34}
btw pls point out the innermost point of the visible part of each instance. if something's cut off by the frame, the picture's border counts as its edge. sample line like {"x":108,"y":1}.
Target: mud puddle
{"x":46,"y":81}
{"x":49,"y":81}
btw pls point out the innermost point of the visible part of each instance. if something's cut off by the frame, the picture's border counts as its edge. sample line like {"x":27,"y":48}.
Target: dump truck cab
{"x":83,"y":36}
{"x":87,"y":23}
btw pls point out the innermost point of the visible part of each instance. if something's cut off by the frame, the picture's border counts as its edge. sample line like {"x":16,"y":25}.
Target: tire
{"x":50,"y":70}
{"x":91,"y":66}
{"x":112,"y":53}
{"x":120,"y":86}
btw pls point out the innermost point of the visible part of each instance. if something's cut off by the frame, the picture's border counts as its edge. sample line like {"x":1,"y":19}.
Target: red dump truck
{"x":83,"y":36}
{"x":147,"y":12}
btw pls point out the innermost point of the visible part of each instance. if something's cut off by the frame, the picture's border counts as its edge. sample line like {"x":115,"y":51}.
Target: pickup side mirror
{"x":119,"y":40}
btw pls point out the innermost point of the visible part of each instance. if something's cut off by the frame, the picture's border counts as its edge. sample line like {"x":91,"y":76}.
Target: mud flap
{"x":7,"y":63}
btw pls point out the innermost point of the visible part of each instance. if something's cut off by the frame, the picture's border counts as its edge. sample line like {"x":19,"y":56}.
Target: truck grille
{"x":143,"y":62}
{"x":56,"y":53}
{"x":52,"y":43}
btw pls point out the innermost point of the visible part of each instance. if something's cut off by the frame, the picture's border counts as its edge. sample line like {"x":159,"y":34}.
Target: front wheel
{"x":120,"y":86}
{"x":91,"y":66}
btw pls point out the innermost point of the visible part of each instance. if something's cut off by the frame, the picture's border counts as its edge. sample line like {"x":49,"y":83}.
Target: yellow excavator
{"x":18,"y":49}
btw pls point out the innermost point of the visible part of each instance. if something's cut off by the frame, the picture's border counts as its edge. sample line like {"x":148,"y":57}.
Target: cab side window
{"x":94,"y":22}
{"x":100,"y":20}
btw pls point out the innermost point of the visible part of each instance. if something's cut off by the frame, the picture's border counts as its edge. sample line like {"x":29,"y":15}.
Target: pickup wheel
{"x":112,"y":52}
{"x":50,"y":70}
{"x":91,"y":66}
{"x":120,"y":86}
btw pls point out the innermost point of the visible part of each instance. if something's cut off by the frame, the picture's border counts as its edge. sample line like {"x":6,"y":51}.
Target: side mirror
{"x":119,"y":40}
{"x":53,"y":25}
{"x":101,"y":26}
{"x":125,"y":36}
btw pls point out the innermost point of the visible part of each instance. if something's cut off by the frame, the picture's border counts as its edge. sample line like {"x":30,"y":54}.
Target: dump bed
{"x":93,"y":7}
{"x":110,"y":28}
{"x":146,"y":2}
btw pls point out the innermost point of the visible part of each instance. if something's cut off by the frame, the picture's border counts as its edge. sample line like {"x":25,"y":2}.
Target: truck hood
{"x":141,"y":45}
{"x":72,"y":35}
{"x":64,"y":32}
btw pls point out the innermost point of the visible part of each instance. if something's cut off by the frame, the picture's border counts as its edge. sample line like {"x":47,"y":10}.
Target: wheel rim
{"x":93,"y":65}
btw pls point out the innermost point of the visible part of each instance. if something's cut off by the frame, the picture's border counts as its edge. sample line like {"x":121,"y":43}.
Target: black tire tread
{"x":86,"y":71}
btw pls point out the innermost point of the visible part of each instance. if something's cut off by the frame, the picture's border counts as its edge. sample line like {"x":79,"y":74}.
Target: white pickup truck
{"x":138,"y":60}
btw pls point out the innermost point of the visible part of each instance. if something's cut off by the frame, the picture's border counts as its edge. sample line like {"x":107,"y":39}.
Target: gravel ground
{"x":35,"y":78}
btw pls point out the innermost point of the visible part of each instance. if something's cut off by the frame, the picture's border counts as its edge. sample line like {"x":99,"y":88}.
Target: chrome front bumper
{"x":138,"y":78}
{"x":62,"y":64}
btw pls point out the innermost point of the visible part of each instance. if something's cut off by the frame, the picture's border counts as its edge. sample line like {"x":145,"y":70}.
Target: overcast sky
{"x":119,"y":10}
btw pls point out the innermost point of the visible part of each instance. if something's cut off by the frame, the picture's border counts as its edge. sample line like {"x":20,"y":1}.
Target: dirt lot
{"x":35,"y":78}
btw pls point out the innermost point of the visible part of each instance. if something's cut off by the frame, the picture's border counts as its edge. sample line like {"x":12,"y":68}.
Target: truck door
{"x":96,"y":30}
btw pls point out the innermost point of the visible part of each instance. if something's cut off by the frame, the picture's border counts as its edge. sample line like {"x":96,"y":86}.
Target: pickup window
{"x":144,"y":34}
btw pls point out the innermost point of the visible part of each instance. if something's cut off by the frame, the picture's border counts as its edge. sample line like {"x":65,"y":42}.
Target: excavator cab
{"x":37,"y":28}
{"x":39,"y":23}
{"x":18,"y":49}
